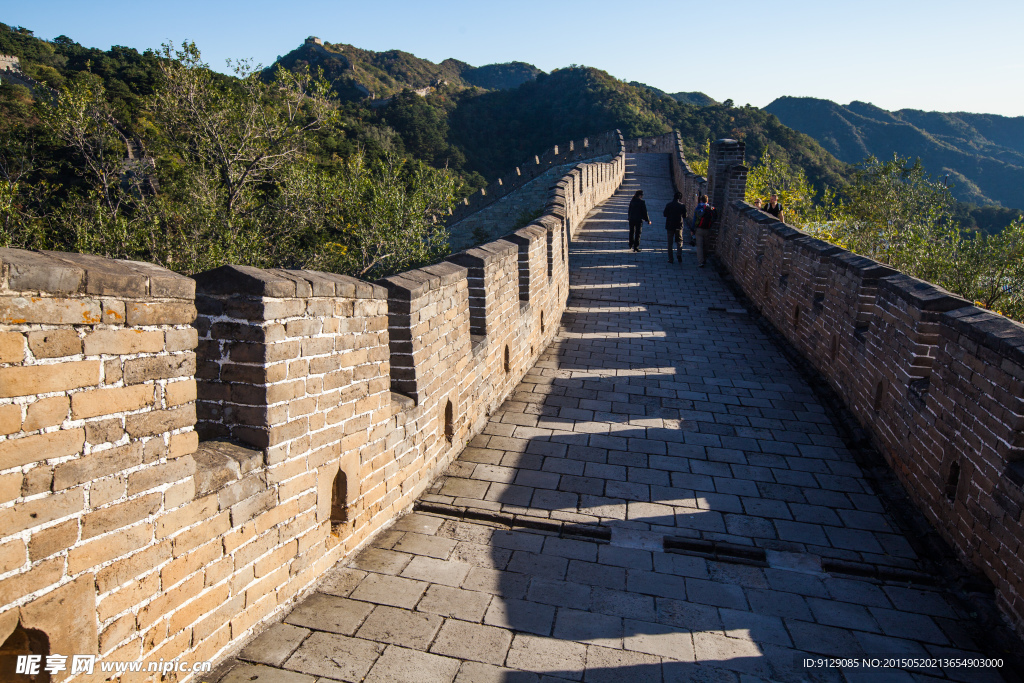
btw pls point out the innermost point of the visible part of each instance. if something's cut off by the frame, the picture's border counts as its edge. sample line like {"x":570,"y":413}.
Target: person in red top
{"x":703,"y":219}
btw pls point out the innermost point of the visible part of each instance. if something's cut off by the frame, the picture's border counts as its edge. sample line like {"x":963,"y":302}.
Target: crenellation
{"x":926,"y":373}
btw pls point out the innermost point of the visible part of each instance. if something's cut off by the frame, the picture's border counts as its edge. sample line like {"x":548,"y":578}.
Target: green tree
{"x":772,"y":174}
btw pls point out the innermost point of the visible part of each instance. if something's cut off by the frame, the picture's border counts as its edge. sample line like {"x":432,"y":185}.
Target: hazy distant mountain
{"x":982,"y":153}
{"x":358,"y":73}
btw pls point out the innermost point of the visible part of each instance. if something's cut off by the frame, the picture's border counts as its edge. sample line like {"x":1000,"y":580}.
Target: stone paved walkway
{"x":660,"y":411}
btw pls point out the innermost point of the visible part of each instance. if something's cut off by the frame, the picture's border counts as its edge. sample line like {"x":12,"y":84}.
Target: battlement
{"x":936,"y":382}
{"x":609,"y":143}
{"x":181,"y":458}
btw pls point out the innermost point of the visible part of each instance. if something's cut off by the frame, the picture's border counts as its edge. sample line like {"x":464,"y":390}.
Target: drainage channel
{"x":718,"y":551}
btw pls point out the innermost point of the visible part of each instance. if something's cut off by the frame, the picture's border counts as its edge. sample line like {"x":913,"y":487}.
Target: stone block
{"x":329,"y":613}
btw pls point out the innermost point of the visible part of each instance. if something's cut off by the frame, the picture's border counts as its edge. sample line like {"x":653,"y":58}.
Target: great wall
{"x":184,"y":460}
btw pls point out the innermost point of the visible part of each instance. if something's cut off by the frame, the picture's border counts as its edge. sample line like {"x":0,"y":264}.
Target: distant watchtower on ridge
{"x":313,"y":40}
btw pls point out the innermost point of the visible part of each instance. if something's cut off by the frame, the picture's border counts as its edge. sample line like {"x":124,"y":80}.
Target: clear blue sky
{"x":940,"y":55}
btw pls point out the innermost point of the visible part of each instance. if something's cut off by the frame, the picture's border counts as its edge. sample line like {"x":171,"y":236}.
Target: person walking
{"x":637,"y":216}
{"x":703,"y":219}
{"x":675,"y":215}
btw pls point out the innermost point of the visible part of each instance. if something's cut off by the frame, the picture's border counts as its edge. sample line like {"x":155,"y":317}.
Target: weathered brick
{"x":12,"y":555}
{"x":178,"y":494}
{"x":54,"y":343}
{"x":10,"y":419}
{"x":53,"y":540}
{"x":15,"y":452}
{"x":38,"y":480}
{"x":123,"y":342}
{"x":12,"y":347}
{"x":121,"y":515}
{"x":127,"y":568}
{"x":196,"y":609}
{"x":104,"y":491}
{"x":96,"y":465}
{"x":176,"y":393}
{"x":168,"y":600}
{"x":16,"y":310}
{"x":95,"y":553}
{"x":181,"y":339}
{"x":133,"y":594}
{"x":201,"y":533}
{"x":183,"y":443}
{"x":118,"y":631}
{"x":113,"y":311}
{"x":191,"y":562}
{"x":10,"y":486}
{"x":160,"y":313}
{"x":104,"y":431}
{"x":172,"y":522}
{"x":250,"y":507}
{"x":86,"y":404}
{"x":160,"y":421}
{"x":46,"y":412}
{"x":161,"y":474}
{"x":112,"y":371}
{"x":138,"y":370}
{"x":42,"y":575}
{"x":27,"y":380}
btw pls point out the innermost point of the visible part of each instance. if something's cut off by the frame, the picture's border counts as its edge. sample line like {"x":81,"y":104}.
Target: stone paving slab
{"x":660,"y":410}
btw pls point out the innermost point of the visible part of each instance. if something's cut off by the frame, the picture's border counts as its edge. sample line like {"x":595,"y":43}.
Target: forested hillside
{"x":151,"y":155}
{"x":356,"y":74}
{"x":983,"y":154}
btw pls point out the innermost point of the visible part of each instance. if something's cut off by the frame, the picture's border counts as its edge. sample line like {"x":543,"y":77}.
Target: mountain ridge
{"x":983,"y":154}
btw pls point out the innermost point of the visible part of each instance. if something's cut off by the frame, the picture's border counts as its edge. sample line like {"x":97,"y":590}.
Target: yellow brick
{"x":190,"y":563}
{"x":180,"y":392}
{"x":54,"y":343}
{"x":108,"y":401}
{"x":195,"y":610}
{"x":197,"y":510}
{"x":27,"y":380}
{"x":53,"y":540}
{"x":10,"y":419}
{"x":129,"y":596}
{"x":12,"y":347}
{"x":46,"y":412}
{"x":15,"y":452}
{"x":208,"y":530}
{"x":121,"y":515}
{"x":12,"y":555}
{"x":10,"y":486}
{"x":252,"y":614}
{"x":117,"y":632}
{"x":117,"y":544}
{"x":37,"y":512}
{"x":183,"y":443}
{"x":168,"y":600}
{"x":127,"y":568}
{"x":42,"y":575}
{"x":123,"y":342}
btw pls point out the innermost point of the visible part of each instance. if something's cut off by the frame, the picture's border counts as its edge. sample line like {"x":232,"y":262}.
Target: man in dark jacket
{"x":637,"y":215}
{"x":675,"y":214}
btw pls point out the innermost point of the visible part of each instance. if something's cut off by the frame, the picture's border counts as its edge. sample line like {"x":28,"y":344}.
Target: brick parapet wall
{"x":111,"y":507}
{"x":97,"y":411}
{"x":575,"y":151}
{"x":937,"y":382}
